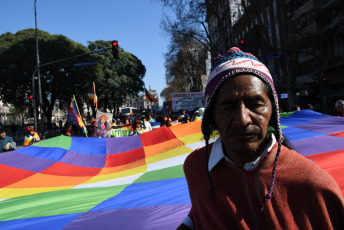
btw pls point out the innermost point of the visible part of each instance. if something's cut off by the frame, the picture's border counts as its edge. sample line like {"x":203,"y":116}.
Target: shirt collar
{"x":217,"y":154}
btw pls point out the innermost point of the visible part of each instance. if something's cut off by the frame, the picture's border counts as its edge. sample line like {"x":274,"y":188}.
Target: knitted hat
{"x":237,"y":62}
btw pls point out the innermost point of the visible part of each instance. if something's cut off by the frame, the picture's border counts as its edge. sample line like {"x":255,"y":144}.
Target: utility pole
{"x":39,"y":83}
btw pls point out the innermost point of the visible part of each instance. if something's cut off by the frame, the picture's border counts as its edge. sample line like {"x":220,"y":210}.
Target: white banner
{"x":187,"y":101}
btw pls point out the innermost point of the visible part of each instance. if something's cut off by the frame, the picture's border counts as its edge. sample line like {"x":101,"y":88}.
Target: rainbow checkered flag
{"x":92,"y":94}
{"x":74,"y":117}
{"x":150,"y":97}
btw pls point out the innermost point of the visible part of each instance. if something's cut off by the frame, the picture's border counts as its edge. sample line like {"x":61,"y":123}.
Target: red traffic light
{"x":30,"y":97}
{"x":115,"y":49}
{"x":242,"y":41}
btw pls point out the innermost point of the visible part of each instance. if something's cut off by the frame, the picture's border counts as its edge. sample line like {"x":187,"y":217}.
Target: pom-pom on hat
{"x":237,"y":62}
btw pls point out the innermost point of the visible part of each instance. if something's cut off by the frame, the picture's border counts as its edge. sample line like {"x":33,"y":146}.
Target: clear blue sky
{"x":134,"y":23}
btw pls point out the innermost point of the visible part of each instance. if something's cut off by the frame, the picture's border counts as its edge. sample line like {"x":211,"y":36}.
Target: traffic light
{"x":115,"y":49}
{"x":242,"y":43}
{"x":30,"y":99}
{"x":323,"y":80}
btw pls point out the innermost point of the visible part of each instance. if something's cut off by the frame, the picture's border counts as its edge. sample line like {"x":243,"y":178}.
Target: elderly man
{"x":339,"y":108}
{"x":249,"y":178}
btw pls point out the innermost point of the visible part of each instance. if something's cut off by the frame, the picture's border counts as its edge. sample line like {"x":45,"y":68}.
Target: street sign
{"x":85,"y":63}
{"x":273,"y":57}
{"x":284,"y":95}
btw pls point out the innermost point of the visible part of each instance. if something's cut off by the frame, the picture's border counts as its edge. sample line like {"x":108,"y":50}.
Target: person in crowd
{"x":92,"y":128}
{"x":145,"y":124}
{"x":136,"y":129}
{"x":126,"y":121}
{"x":119,"y":122}
{"x":201,"y":112}
{"x":339,"y":108}
{"x":6,"y":142}
{"x":186,"y":118}
{"x":195,"y":115}
{"x":31,"y":136}
{"x":165,"y":121}
{"x":181,"y":118}
{"x":131,"y":121}
{"x":150,"y":118}
{"x":60,"y":124}
{"x":249,"y":178}
{"x":67,"y":129}
{"x":295,"y":108}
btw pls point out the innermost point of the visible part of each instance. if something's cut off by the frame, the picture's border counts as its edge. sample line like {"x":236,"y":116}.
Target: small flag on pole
{"x":150,"y":97}
{"x":92,"y":94}
{"x":74,"y":117}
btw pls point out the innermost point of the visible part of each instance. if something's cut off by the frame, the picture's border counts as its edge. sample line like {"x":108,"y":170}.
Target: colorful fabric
{"x":301,"y":187}
{"x":130,"y":182}
{"x":92,"y":94}
{"x":150,"y":97}
{"x":73,"y":116}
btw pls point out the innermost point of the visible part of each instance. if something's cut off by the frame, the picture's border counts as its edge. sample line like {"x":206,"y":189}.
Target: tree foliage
{"x":185,"y":64}
{"x":185,"y":60}
{"x":117,"y":79}
{"x":58,"y":81}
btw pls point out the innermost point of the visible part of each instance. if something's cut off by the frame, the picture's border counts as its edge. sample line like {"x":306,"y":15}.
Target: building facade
{"x":140,"y":102}
{"x":300,"y":41}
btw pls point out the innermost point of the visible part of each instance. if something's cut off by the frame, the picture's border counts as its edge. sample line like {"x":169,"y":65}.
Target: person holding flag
{"x":73,"y":116}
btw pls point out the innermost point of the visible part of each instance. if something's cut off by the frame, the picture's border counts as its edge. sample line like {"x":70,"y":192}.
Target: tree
{"x":117,"y":78}
{"x":58,"y":81}
{"x":185,"y":64}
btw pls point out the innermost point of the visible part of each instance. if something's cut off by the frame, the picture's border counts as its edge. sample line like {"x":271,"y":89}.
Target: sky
{"x":134,"y":23}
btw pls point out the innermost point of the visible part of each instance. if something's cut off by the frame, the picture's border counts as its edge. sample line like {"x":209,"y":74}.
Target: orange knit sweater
{"x":304,"y":197}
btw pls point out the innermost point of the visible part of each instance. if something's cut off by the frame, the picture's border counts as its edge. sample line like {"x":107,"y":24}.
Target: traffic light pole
{"x":37,"y":70}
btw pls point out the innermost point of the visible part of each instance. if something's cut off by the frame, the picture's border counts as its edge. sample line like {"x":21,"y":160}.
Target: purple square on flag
{"x":325,"y":125}
{"x":84,"y":160}
{"x":122,"y":144}
{"x":315,"y":145}
{"x":19,"y":160}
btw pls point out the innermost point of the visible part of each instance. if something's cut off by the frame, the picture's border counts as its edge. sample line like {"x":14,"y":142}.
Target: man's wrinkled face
{"x":3,"y":135}
{"x":242,"y":111}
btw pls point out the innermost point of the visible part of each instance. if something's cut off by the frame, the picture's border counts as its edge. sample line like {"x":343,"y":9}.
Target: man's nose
{"x":243,"y":116}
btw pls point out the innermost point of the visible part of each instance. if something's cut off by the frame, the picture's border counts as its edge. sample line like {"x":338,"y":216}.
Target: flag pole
{"x":80,"y":115}
{"x":95,"y":95}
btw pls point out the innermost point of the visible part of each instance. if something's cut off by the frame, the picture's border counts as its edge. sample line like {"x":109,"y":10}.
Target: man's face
{"x":242,"y":111}
{"x":32,"y":132}
{"x":3,"y":135}
{"x":340,"y":108}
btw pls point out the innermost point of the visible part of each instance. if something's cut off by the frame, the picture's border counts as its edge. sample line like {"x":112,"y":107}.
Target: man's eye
{"x":256,"y":105}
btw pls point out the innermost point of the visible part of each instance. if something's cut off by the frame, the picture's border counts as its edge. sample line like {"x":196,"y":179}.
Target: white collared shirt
{"x":217,"y":154}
